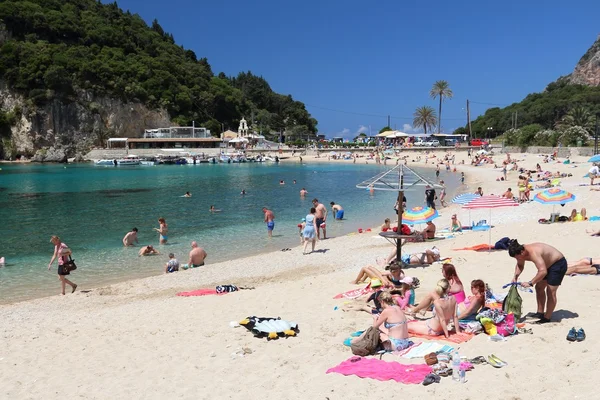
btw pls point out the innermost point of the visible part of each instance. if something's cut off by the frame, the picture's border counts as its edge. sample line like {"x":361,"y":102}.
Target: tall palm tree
{"x":442,"y":90}
{"x":424,"y":117}
{"x":578,"y":116}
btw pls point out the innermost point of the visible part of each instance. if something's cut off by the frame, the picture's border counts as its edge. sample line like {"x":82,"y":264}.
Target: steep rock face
{"x":587,"y":71}
{"x":75,"y":127}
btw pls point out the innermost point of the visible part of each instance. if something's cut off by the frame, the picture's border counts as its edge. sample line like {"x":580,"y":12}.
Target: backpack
{"x":513,"y":302}
{"x":368,"y":344}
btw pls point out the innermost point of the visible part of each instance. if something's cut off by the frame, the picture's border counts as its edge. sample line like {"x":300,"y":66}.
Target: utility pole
{"x":388,"y":124}
{"x":469,"y":120}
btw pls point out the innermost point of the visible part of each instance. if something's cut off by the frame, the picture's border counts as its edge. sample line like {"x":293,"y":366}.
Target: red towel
{"x":478,"y":247}
{"x":200,"y":292}
{"x":353,"y":294}
{"x":454,"y":337}
{"x":382,"y":370}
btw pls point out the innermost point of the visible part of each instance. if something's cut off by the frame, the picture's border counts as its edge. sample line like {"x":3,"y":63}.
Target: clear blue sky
{"x":381,"y":58}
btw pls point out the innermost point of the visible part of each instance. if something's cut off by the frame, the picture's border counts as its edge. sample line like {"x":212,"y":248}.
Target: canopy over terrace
{"x":113,"y":141}
{"x":398,"y":179}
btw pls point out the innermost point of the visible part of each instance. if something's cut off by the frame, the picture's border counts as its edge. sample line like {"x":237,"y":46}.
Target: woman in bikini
{"x":162,"y":230}
{"x":456,"y":287}
{"x":444,"y":310}
{"x":585,"y":266}
{"x":467,"y":310}
{"x":389,"y":278}
{"x":394,"y":332}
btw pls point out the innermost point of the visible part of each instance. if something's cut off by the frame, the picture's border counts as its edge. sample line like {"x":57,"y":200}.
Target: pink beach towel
{"x":382,"y":370}
{"x":200,"y":292}
{"x":454,"y":337}
{"x":353,"y":294}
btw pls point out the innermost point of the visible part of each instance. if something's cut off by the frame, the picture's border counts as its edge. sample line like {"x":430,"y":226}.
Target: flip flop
{"x":493,"y":363}
{"x":478,"y":360}
{"x":356,"y":334}
{"x":348,"y":342}
{"x":499,"y":361}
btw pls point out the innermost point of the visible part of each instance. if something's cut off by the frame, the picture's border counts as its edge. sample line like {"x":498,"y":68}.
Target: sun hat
{"x":303,"y":219}
{"x":407,"y":279}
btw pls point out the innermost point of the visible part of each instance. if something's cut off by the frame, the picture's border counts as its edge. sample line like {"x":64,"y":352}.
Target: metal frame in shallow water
{"x":398,"y":179}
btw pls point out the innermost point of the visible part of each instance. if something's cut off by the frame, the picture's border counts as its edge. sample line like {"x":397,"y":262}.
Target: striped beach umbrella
{"x":465,"y":198}
{"x":595,"y":158}
{"x":490,"y":202}
{"x":419,"y":215}
{"x":554,"y":196}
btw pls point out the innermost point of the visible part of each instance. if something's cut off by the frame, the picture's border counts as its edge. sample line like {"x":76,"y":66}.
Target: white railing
{"x":177,"y":132}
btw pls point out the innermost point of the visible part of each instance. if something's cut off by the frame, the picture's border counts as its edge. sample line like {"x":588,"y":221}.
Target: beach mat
{"x":200,"y":292}
{"x":354,"y":294}
{"x":382,"y":370}
{"x":457,"y":338}
{"x":422,"y":349}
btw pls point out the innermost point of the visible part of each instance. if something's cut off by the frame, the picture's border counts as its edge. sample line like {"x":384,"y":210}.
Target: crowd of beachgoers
{"x":443,"y":296}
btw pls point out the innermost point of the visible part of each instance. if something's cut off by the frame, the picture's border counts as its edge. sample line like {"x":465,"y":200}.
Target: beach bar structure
{"x":174,"y":138}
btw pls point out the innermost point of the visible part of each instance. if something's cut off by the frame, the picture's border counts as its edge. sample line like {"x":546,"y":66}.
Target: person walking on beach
{"x":197,"y":256}
{"x":310,"y":230}
{"x":551,"y":268}
{"x":321,"y":215}
{"x":437,"y":172}
{"x":270,"y":220}
{"x":62,"y":252}
{"x":130,"y":238}
{"x":443,"y":194}
{"x":430,"y":196}
{"x":337,"y":211}
{"x":162,"y":230}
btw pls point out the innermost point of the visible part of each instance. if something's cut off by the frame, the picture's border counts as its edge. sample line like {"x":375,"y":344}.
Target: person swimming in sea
{"x":213,"y":209}
{"x":147,"y":251}
{"x":187,"y":194}
{"x":243,"y":192}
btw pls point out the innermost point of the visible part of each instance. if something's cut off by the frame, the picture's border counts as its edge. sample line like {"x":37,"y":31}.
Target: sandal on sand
{"x":497,"y":361}
{"x":525,"y":330}
{"x":478,"y":360}
{"x":572,"y":335}
{"x":431,"y":378}
{"x":536,"y":315}
{"x":580,"y":335}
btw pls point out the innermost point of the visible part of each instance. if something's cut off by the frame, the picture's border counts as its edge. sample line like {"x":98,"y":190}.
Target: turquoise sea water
{"x":91,"y":208}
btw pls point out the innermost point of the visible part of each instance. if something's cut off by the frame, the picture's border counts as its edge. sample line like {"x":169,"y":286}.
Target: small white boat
{"x":224,"y":158}
{"x":106,"y":162}
{"x":129,"y":160}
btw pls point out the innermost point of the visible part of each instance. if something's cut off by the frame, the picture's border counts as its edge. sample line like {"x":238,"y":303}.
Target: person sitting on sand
{"x":390,"y":278}
{"x":455,"y":225}
{"x":395,"y":335}
{"x":468,"y":309}
{"x":456,"y":287}
{"x":386,"y":226}
{"x":428,"y":232}
{"x":479,"y":191}
{"x":172,"y":265}
{"x":585,"y":266}
{"x":575,"y":216}
{"x":509,"y":194}
{"x":405,"y":294}
{"x":444,"y":311}
{"x":147,"y":251}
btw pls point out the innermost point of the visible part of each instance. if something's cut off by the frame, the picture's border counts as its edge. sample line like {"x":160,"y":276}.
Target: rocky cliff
{"x":62,"y":129}
{"x":587,"y":71}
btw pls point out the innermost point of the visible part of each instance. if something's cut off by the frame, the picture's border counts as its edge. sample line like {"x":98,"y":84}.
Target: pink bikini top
{"x":459,"y":296}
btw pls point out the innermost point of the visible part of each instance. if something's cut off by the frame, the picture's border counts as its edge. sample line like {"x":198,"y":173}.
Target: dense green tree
{"x":424,"y":117}
{"x":578,"y":116}
{"x":442,"y":90}
{"x":385,"y":129}
{"x":55,"y":49}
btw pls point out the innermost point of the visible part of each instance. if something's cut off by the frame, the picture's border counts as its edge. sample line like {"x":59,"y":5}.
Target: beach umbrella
{"x":489,"y":202}
{"x":595,"y":158}
{"x":464,"y":198}
{"x":554,"y":196}
{"x":419,"y":215}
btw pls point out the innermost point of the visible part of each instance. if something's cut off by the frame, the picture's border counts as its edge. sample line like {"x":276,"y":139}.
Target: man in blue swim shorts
{"x":338,"y":211}
{"x":270,"y":220}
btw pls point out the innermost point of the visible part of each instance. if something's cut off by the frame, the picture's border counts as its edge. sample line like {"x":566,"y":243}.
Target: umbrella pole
{"x":400,"y":212}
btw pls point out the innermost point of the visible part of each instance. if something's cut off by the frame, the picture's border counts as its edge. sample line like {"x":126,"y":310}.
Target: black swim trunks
{"x":556,"y":272}
{"x":319,"y":222}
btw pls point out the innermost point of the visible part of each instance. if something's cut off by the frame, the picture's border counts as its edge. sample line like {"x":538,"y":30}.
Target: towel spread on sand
{"x":422,"y":349}
{"x":200,"y":292}
{"x":478,"y":247}
{"x":356,"y":293}
{"x":382,"y":370}
{"x":454,"y":337}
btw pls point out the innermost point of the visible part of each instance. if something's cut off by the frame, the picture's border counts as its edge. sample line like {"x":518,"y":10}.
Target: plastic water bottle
{"x":456,"y":367}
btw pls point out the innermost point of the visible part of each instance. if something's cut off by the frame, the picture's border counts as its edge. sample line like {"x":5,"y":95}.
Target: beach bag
{"x":513,"y":302}
{"x":226,"y":288}
{"x":508,"y":326}
{"x":368,"y":344}
{"x":431,"y":359}
{"x":69,"y":266}
{"x":502,"y":244}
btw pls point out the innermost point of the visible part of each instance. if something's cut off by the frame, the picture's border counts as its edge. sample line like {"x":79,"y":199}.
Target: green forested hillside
{"x":53,"y":49}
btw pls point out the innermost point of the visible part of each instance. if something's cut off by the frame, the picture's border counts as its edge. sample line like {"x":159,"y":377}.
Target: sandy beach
{"x":139,"y":340}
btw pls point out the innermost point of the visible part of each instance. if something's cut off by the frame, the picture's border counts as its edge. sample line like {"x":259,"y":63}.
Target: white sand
{"x":138,"y":340}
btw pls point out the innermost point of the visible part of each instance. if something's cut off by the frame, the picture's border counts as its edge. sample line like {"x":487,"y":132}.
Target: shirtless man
{"x":551,"y":268}
{"x":130,"y":237}
{"x":321,"y":216}
{"x":197,"y":256}
{"x":429,"y":231}
{"x":270,"y":220}
{"x":303,"y":192}
{"x":147,"y":250}
{"x":508,"y":194}
{"x":337,"y":210}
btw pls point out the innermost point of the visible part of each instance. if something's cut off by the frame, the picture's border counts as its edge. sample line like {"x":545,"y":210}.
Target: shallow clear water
{"x":91,"y":208}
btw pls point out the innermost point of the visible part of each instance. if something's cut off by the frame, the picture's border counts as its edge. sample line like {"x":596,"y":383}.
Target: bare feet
{"x":74,"y":287}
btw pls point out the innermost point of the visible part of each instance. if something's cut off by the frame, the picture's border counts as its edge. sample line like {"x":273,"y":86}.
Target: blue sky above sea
{"x":353,"y":63}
